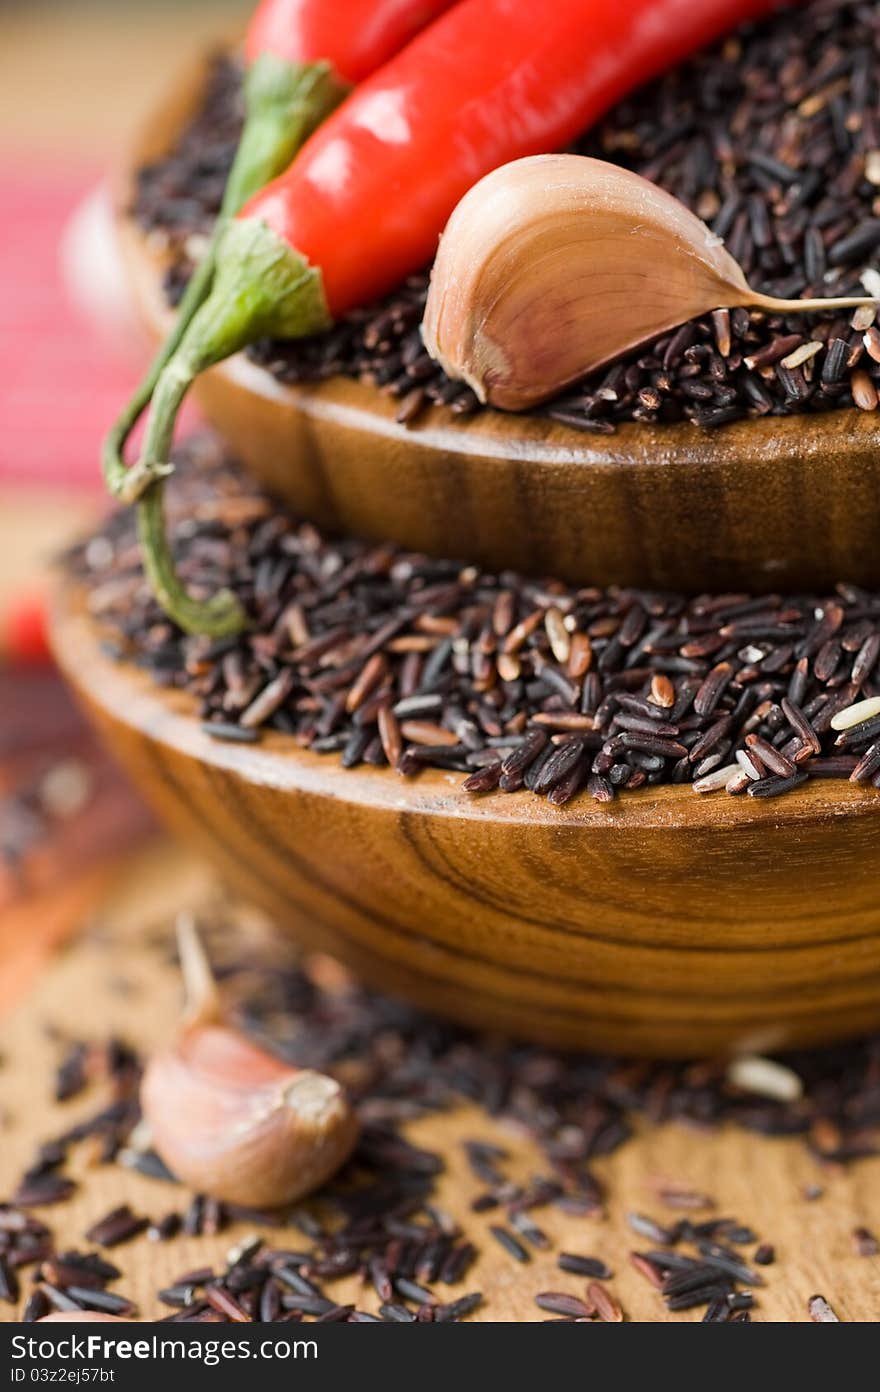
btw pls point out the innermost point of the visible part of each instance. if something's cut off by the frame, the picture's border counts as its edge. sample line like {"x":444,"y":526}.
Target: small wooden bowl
{"x":664,"y":924}
{"x":789,"y":503}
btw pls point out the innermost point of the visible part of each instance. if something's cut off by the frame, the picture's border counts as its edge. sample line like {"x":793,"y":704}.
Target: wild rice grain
{"x":36,"y":1307}
{"x":820,"y":1311}
{"x":865,"y":1242}
{"x":765,"y":1077}
{"x":118,"y":1226}
{"x":775,"y":787}
{"x":650,"y":1270}
{"x":9,"y":1288}
{"x":868,"y":765}
{"x":716,"y":780}
{"x":510,"y":1244}
{"x":857,"y":714}
{"x":584,"y":1266}
{"x":607,"y":1308}
{"x":223,"y":730}
{"x":560,"y":1303}
{"x":771,"y":758}
{"x":458,"y":1309}
{"x":864,"y":392}
{"x":653,"y":1231}
{"x":104,"y":1301}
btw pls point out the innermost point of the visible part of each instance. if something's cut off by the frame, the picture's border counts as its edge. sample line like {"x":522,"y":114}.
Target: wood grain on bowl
{"x":788,"y":503}
{"x":664,"y":924}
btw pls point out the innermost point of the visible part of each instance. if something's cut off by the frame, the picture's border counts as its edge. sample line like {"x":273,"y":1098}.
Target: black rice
{"x":561,"y":1303}
{"x":118,"y":1226}
{"x":510,"y":1244}
{"x":376,"y":655}
{"x":583,"y":1266}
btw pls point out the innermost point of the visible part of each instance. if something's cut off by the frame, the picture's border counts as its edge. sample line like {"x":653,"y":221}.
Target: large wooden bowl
{"x":765,"y":504}
{"x":662,"y":924}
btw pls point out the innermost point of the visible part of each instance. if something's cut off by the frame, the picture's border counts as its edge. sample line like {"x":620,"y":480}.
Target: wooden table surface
{"x":117,"y":976}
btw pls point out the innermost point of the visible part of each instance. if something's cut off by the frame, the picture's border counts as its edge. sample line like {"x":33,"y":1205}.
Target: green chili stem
{"x":284,"y":102}
{"x":262,"y":286}
{"x":114,"y":444}
{"x":221,"y":616}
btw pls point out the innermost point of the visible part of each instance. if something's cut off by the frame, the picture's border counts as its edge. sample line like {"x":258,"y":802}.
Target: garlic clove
{"x":232,"y":1120}
{"x":554,"y":265}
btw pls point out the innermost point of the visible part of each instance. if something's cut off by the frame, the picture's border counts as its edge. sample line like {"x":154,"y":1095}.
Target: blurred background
{"x":76,"y":78}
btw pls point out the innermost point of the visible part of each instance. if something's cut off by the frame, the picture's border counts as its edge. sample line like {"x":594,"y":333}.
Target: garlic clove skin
{"x":237,"y":1123}
{"x":553,"y":265}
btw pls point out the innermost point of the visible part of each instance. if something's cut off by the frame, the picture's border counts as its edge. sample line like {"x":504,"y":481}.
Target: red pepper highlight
{"x":366,"y":200}
{"x":356,"y":37}
{"x":24,"y":635}
{"x":302,"y":56}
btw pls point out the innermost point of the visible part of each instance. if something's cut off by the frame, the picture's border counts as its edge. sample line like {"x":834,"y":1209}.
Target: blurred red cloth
{"x":58,"y":386}
{"x":61,"y":379}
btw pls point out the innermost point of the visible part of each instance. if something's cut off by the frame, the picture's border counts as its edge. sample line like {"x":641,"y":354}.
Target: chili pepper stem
{"x":262,"y":287}
{"x":221,"y":616}
{"x":113,"y":461}
{"x":284,"y":103}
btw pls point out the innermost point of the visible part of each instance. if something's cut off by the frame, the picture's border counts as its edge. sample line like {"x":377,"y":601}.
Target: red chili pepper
{"x":366,"y":200}
{"x":357,"y":38}
{"x":24,"y":629}
{"x":302,"y":57}
{"x":373,"y":188}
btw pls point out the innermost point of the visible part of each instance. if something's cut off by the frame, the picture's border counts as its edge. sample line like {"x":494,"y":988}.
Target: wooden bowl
{"x":788,"y":503}
{"x":664,"y":923}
